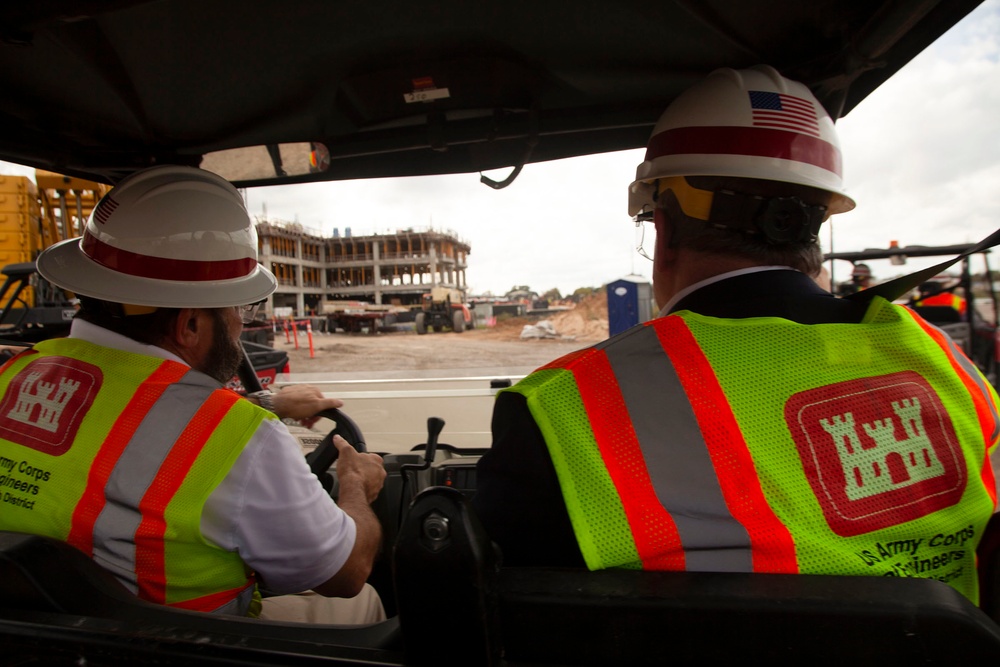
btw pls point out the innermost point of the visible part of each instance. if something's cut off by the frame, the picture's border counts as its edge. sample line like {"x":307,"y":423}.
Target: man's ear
{"x":190,"y":327}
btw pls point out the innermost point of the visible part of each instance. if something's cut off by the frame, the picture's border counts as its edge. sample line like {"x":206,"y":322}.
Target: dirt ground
{"x":500,"y":346}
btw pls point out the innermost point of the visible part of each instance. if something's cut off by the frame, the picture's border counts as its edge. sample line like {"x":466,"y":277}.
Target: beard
{"x":225,"y":355}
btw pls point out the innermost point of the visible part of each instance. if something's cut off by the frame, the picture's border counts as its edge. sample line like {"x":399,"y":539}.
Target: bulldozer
{"x":443,"y":308}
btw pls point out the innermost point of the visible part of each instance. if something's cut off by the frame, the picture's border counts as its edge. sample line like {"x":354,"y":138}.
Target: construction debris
{"x":541,"y":329}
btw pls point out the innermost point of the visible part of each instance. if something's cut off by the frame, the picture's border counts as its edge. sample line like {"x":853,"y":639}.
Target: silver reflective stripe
{"x":239,"y":605}
{"x":676,"y":456}
{"x":138,"y":466}
{"x":973,"y":372}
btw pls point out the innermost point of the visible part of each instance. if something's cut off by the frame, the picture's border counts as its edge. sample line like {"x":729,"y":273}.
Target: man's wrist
{"x":264,"y":399}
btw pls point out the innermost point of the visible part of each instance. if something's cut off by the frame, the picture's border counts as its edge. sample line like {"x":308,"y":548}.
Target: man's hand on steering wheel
{"x":303,"y":402}
{"x":361,"y":468}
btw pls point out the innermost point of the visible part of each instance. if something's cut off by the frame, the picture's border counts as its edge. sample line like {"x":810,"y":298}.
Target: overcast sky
{"x":921,"y":154}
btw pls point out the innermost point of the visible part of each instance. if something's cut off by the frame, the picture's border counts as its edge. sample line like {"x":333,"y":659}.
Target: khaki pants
{"x":309,"y":607}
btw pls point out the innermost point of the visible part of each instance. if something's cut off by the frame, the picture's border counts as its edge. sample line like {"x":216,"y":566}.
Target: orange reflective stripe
{"x":92,"y":501}
{"x":984,"y":412}
{"x":654,"y":530}
{"x":211,"y":602}
{"x":150,"y":566}
{"x":564,"y":360}
{"x":771,"y":542}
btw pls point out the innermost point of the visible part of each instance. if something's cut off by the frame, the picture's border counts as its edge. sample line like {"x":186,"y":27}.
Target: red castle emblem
{"x":877,"y":451}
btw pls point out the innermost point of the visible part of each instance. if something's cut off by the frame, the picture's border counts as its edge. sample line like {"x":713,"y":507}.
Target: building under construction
{"x":394,"y":268}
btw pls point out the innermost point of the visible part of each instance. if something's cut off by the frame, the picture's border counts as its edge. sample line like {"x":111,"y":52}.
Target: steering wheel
{"x":321,"y":458}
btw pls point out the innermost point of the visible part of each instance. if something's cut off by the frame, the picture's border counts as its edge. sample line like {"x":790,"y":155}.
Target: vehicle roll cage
{"x":898,"y":255}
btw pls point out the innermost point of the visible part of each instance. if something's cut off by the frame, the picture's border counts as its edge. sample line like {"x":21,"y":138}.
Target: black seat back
{"x":43,"y":574}
{"x":938,"y":314}
{"x":51,"y":594}
{"x":574,"y":617}
{"x":988,"y":566}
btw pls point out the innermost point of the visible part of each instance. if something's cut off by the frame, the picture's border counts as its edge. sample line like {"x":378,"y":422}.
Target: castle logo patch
{"x":877,"y":451}
{"x":46,"y":402}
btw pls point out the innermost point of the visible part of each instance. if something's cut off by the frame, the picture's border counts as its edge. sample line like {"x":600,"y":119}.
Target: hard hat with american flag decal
{"x":751,"y":123}
{"x":167,"y":236}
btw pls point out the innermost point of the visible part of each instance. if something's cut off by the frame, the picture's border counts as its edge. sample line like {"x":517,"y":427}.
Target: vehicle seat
{"x":988,"y":566}
{"x":573,"y":617}
{"x":51,"y":584}
{"x":938,"y":314}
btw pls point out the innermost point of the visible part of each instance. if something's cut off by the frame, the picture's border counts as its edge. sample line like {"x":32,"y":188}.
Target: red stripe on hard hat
{"x":753,"y":141}
{"x":164,"y":268}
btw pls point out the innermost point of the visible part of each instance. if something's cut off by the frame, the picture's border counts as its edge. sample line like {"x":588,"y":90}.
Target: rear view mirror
{"x":252,"y":163}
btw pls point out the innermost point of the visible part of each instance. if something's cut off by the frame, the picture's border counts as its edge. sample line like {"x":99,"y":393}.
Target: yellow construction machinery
{"x":443,"y":308}
{"x":34,"y":214}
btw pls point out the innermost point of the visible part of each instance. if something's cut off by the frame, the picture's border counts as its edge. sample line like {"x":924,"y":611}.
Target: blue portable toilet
{"x":630,"y":301}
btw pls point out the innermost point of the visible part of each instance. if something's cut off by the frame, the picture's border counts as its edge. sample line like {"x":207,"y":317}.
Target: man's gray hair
{"x":806,"y":256}
{"x":702,"y":236}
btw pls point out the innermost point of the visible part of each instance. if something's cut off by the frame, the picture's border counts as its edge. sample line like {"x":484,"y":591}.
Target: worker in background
{"x":933,"y":294}
{"x":861,"y":276}
{"x":861,"y":279}
{"x":758,"y":424}
{"x":126,"y":445}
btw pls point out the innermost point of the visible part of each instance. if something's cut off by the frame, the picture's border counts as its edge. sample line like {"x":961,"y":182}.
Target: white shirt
{"x":270,"y":508}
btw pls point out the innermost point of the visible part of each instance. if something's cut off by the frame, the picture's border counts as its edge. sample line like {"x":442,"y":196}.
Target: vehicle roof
{"x":98,"y":89}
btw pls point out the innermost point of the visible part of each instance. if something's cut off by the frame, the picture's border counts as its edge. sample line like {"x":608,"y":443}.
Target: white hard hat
{"x":750,"y":123}
{"x":168,"y":236}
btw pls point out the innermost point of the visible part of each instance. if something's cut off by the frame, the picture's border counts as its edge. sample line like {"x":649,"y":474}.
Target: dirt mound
{"x":588,"y":321}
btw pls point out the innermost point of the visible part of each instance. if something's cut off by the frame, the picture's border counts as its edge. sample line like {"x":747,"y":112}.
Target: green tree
{"x":582,"y":292}
{"x":552,"y":295}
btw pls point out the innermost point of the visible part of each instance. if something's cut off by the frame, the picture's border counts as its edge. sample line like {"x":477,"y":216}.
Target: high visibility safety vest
{"x":116,"y":453}
{"x":944,"y":299}
{"x":763,"y":445}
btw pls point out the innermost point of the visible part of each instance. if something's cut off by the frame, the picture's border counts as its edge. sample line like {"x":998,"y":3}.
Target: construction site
{"x":409,"y":278}
{"x":360,"y":276}
{"x":321,"y":274}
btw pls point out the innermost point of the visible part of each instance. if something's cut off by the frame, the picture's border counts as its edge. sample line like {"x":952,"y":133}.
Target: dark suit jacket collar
{"x":783,"y":293}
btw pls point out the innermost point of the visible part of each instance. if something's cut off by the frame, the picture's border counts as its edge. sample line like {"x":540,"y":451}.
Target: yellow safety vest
{"x":116,"y":453}
{"x":763,"y":445}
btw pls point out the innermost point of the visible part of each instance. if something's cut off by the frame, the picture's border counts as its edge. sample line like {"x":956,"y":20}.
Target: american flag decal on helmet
{"x":783,"y":112}
{"x":104,"y":209}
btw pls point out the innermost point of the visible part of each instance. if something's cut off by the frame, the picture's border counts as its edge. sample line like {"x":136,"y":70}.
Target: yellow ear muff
{"x":132,"y":309}
{"x":694,"y":202}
